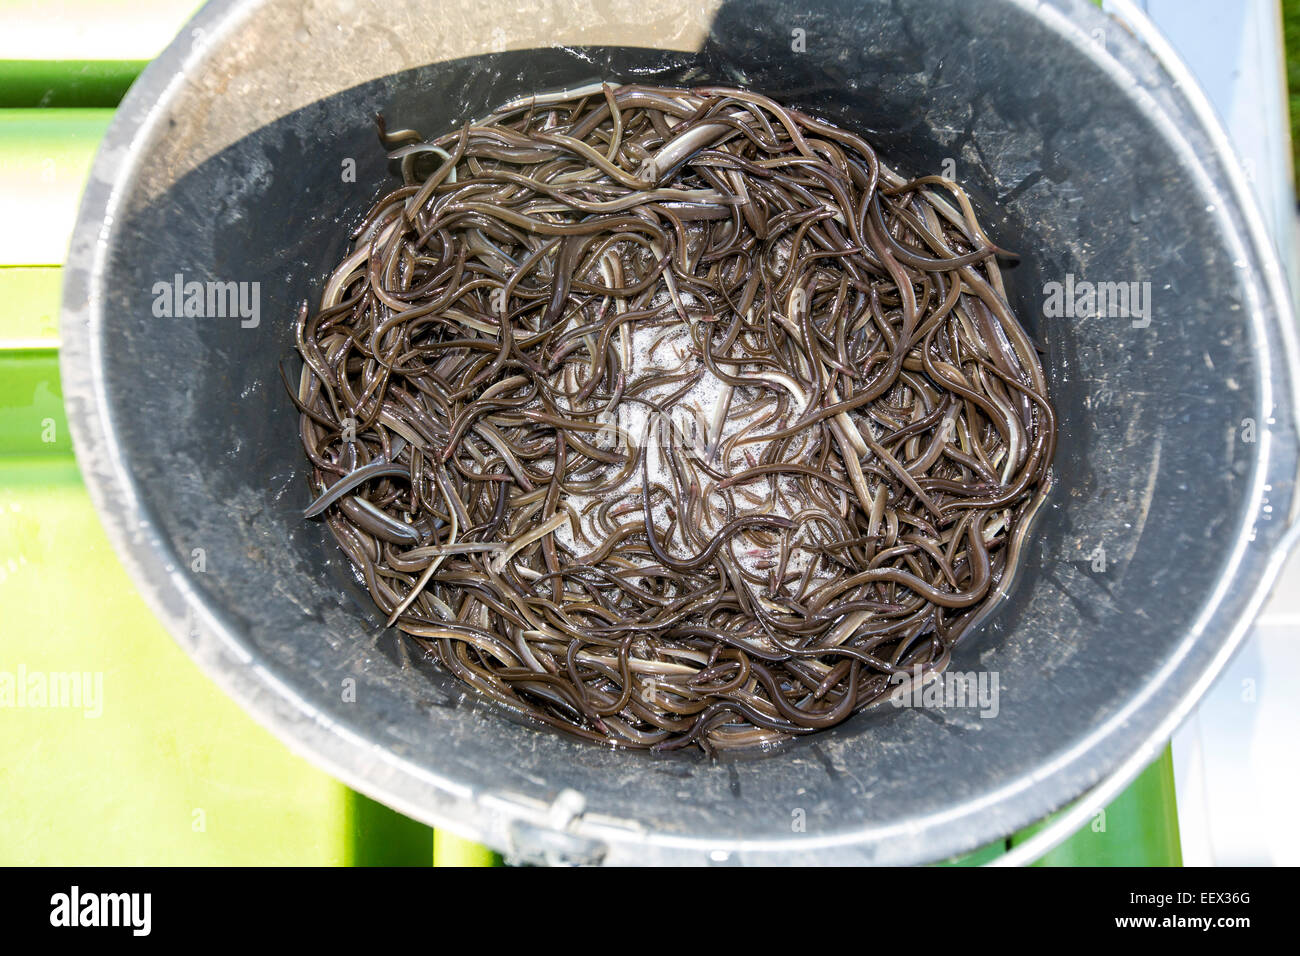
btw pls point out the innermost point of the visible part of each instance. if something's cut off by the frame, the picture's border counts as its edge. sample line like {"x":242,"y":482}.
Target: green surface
{"x":31,"y":403}
{"x":1139,"y":828}
{"x":114,"y":747}
{"x":1291,"y":36}
{"x":983,"y":855}
{"x":451,"y":850}
{"x":161,"y":767}
{"x":378,"y":836}
{"x":65,"y":83}
{"x":32,"y":314}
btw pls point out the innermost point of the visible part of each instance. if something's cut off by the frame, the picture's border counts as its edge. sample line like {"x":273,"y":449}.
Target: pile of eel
{"x":673,"y":417}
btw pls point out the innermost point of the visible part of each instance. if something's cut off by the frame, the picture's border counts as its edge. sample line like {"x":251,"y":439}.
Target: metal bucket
{"x":246,"y":151}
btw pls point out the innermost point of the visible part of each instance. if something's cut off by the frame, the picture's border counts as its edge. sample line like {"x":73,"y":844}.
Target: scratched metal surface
{"x":1081,"y":154}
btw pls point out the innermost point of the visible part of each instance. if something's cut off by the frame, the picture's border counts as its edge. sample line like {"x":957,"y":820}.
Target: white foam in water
{"x":656,"y":348}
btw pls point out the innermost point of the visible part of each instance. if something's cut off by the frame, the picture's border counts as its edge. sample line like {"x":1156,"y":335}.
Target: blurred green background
{"x":1291,"y":35}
